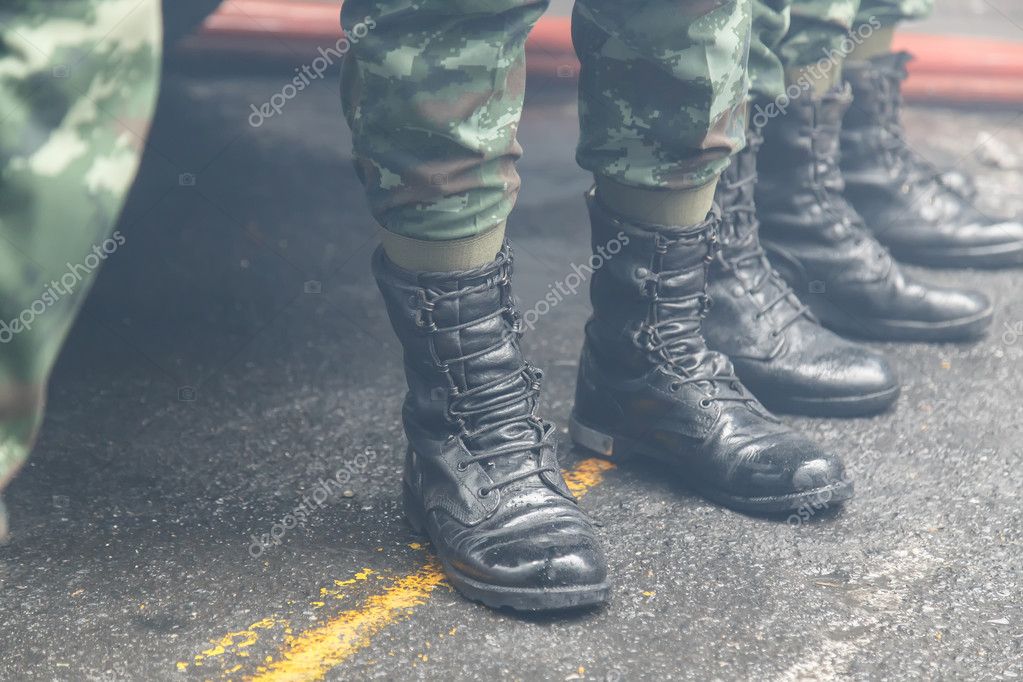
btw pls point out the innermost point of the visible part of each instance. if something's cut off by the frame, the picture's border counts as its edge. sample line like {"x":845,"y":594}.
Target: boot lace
{"x":827,"y":184}
{"x":674,"y":339}
{"x":913,"y":169}
{"x":468,"y":408}
{"x":741,"y":209}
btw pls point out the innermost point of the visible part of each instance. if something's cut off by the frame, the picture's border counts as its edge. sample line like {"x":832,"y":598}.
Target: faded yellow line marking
{"x":310,"y":654}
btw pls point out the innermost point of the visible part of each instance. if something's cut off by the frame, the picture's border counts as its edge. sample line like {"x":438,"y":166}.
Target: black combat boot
{"x":922,"y":216}
{"x":779,"y":350}
{"x":818,"y":241}
{"x":481,"y":473}
{"x":648,"y":385}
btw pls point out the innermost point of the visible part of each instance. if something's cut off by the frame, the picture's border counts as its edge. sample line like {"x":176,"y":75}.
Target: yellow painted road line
{"x":310,"y":654}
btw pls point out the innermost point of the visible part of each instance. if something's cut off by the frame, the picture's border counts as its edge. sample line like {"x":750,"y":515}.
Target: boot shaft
{"x":872,"y":130}
{"x":651,"y":291}
{"x":460,"y":334}
{"x":800,"y":190}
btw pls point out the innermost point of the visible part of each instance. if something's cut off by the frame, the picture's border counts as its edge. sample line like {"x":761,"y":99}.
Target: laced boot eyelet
{"x":675,"y":387}
{"x":462,"y":465}
{"x":736,"y":386}
{"x":705,"y":403}
{"x":483,"y":492}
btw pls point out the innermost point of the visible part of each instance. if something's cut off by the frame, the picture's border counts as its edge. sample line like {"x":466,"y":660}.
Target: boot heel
{"x":414,"y":513}
{"x":592,"y":439}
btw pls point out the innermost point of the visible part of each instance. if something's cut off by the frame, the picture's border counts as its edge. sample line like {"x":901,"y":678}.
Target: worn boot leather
{"x":778,"y":348}
{"x":481,"y":474}
{"x":820,"y":245}
{"x":920,"y":215}
{"x":648,"y":385}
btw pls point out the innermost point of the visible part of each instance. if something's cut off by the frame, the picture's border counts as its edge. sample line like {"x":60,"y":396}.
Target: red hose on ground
{"x":946,"y":68}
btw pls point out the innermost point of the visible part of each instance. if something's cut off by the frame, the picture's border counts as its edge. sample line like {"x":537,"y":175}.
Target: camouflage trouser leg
{"x":78,"y":81}
{"x":662,"y":89}
{"x":433,"y":92}
{"x":818,"y":29}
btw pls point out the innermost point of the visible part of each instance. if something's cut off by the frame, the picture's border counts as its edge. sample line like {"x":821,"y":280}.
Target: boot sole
{"x":622,"y":449}
{"x":991,"y":257}
{"x":843,"y":406}
{"x":501,"y":596}
{"x":962,"y":329}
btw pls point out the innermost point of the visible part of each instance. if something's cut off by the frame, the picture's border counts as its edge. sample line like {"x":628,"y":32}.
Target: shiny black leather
{"x":779,"y":349}
{"x":820,"y":245}
{"x":648,"y":385}
{"x":921,"y":215}
{"x":481,"y":475}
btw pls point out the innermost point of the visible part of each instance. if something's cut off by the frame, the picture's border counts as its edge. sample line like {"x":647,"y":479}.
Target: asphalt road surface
{"x":234,"y":377}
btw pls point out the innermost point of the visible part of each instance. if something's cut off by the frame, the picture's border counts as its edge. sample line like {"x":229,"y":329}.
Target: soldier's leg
{"x":433,"y":93}
{"x":662,"y":107}
{"x":661,"y":101}
{"x":816,"y":237}
{"x":78,"y":81}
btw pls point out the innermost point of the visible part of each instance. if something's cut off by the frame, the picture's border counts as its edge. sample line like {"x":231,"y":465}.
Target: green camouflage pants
{"x":433,"y":93}
{"x":78,"y":81}
{"x":794,"y":33}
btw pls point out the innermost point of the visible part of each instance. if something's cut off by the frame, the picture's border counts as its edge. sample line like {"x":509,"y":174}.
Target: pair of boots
{"x":481,"y":475}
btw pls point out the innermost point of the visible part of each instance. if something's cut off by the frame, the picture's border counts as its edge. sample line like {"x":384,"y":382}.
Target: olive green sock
{"x":450,"y":255}
{"x":658,"y":206}
{"x":877,"y":43}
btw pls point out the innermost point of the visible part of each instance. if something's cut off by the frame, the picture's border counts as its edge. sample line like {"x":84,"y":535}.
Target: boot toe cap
{"x":532,"y":553}
{"x":792,"y":467}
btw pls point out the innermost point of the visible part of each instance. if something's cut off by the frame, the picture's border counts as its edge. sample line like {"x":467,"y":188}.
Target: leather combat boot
{"x":819,"y":244}
{"x":481,"y":473}
{"x":779,"y":349}
{"x":649,"y":386}
{"x":922,"y":216}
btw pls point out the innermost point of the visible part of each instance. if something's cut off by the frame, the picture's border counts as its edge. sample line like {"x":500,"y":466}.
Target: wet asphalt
{"x":234,"y":356}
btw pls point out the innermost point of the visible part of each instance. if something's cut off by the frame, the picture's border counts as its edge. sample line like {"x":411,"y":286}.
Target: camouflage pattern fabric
{"x":795,"y":33}
{"x":433,"y":94}
{"x":662,"y":89}
{"x":78,"y":82}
